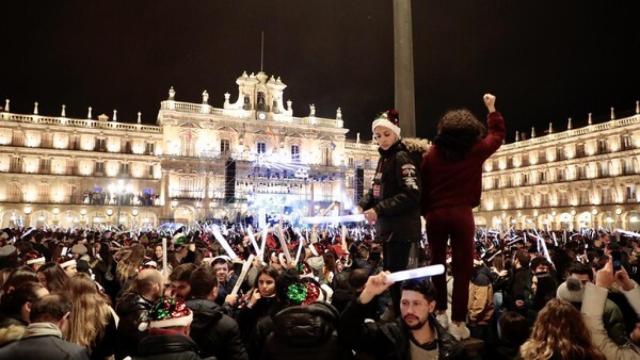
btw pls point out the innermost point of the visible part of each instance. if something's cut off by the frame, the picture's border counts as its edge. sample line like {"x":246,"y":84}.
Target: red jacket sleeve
{"x":495,"y":137}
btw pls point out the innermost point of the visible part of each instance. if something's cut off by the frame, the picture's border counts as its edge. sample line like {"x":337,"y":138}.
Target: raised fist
{"x":490,"y":102}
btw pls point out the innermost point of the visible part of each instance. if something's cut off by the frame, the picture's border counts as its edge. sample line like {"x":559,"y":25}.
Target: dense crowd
{"x":76,"y":294}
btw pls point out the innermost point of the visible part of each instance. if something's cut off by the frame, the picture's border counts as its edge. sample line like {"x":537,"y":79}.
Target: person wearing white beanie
{"x":392,"y":203}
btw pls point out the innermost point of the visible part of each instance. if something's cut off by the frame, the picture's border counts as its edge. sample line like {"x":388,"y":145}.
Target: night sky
{"x":544,"y":60}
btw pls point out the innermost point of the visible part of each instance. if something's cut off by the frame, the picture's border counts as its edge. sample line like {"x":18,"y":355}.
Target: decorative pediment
{"x":226,"y":128}
{"x":189,"y":124}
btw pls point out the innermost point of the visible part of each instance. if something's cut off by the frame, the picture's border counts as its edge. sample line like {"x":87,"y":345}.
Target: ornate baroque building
{"x":198,"y":162}
{"x":585,"y":177}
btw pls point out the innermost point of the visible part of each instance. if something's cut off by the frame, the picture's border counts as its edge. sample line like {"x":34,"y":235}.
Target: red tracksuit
{"x":450,"y":190}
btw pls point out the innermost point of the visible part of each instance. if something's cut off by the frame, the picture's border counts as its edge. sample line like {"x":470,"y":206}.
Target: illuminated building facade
{"x":198,"y":162}
{"x":578,"y":178}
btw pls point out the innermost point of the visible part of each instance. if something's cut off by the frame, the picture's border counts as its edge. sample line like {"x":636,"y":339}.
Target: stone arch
{"x":69,"y":219}
{"x":565,"y":221}
{"x":40,"y":219}
{"x":631,"y":220}
{"x":184,"y":214}
{"x":12,"y":218}
{"x":585,"y":220}
{"x":146,"y":218}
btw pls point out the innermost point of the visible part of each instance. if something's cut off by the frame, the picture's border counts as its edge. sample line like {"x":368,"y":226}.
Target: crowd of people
{"x":325,"y":292}
{"x":95,"y":294}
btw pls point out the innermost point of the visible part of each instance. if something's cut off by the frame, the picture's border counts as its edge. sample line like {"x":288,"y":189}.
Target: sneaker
{"x":459,"y":331}
{"x":443,"y":319}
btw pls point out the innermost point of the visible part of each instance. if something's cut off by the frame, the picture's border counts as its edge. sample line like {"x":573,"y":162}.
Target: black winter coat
{"x":168,"y":347}
{"x":132,"y":309}
{"x":215,"y":333}
{"x":305,"y":333}
{"x":388,"y":340}
{"x":395,"y":196}
{"x":256,"y":324}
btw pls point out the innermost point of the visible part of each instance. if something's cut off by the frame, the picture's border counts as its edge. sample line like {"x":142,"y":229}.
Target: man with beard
{"x":415,"y":335}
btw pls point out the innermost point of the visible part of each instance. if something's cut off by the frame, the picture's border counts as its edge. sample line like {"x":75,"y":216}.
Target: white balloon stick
{"x":265,"y":233}
{"x":223,"y":242}
{"x":283,"y":243}
{"x":253,"y":239}
{"x":300,"y":245}
{"x":243,"y":274}
{"x":431,"y":270}
{"x":164,"y":257}
{"x":628,"y":233}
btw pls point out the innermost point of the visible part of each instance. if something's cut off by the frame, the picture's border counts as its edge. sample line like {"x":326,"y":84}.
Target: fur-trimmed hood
{"x":11,"y":333}
{"x":416,"y":148}
{"x":416,"y":145}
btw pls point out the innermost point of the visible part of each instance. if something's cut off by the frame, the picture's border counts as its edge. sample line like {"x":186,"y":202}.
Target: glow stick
{"x":333,"y":219}
{"x":164,"y":256}
{"x":283,"y":243}
{"x":628,"y":233}
{"x":245,"y":269}
{"x":253,"y":240}
{"x":265,"y":233}
{"x":494,"y":255}
{"x":431,"y":270}
{"x":223,"y":242}
{"x":278,"y":230}
{"x":513,"y":241}
{"x":300,"y":243}
{"x":546,"y":252}
{"x":300,"y":237}
{"x":555,"y":241}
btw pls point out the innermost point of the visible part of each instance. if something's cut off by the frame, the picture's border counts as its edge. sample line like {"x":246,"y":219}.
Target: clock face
{"x":262,"y":116}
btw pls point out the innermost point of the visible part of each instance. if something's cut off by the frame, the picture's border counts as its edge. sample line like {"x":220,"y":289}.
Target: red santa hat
{"x":389,"y":120}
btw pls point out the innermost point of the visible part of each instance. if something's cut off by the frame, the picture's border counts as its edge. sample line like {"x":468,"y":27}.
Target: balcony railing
{"x":609,"y":125}
{"x":205,"y":109}
{"x":76,"y":147}
{"x":84,"y":200}
{"x":18,"y":170}
{"x":80,"y":123}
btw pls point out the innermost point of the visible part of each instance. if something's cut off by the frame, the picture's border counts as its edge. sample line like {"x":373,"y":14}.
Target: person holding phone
{"x":593,"y":305}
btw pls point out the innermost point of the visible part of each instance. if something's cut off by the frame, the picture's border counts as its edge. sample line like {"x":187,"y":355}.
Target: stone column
{"x":403,"y":66}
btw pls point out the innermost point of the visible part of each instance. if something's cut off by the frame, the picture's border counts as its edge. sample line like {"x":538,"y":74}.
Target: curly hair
{"x":458,"y":131}
{"x":560,"y":331}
